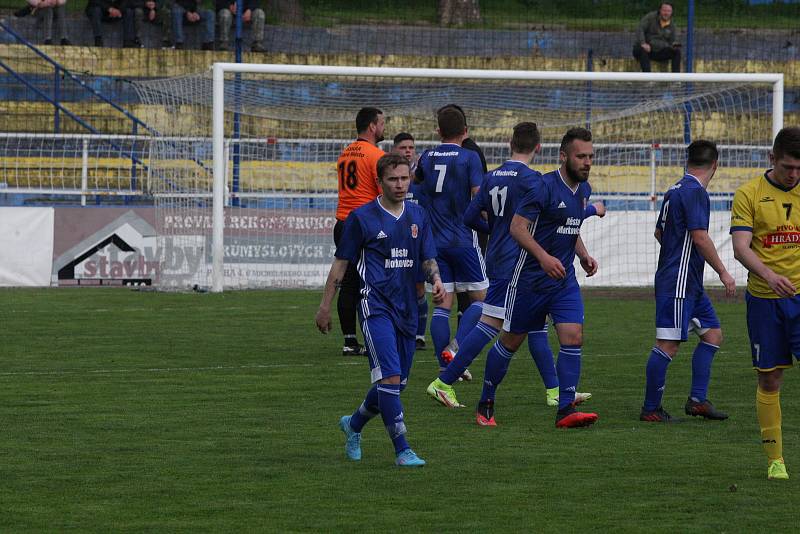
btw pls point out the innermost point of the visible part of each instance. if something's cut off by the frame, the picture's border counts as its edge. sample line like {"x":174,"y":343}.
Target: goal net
{"x":281,"y":128}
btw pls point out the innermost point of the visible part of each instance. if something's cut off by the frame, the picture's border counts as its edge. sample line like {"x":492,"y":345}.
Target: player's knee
{"x":572,"y":338}
{"x":570,"y":334}
{"x":669,"y":347}
{"x":511,"y":341}
{"x":770,"y":381}
{"x":447,"y":302}
{"x":478,"y":295}
{"x":395,"y":379}
{"x":713,"y":337}
{"x":494,"y":322}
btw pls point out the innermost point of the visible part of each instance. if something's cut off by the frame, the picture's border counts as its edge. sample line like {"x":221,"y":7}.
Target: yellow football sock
{"x":768,"y":407}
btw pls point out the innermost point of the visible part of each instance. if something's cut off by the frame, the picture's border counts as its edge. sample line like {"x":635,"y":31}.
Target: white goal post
{"x":273,"y":133}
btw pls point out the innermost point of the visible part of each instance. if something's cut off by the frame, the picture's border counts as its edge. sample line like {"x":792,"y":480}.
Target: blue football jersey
{"x":556,"y":213}
{"x":686,"y":207}
{"x":388,"y":252}
{"x":448,"y":173}
{"x":415,"y":193}
{"x":500,"y":192}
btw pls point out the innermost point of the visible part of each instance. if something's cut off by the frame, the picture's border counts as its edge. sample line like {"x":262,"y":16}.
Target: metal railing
{"x":85,"y":166}
{"x":72,"y":165}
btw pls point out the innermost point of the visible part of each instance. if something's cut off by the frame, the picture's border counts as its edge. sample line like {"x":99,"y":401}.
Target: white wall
{"x":26,"y":246}
{"x":624,"y":246}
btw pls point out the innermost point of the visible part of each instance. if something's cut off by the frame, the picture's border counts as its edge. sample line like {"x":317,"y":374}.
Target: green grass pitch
{"x":142,"y":411}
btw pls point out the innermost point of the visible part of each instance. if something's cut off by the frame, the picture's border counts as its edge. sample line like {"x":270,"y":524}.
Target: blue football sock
{"x":497,"y":362}
{"x":656,"y":378}
{"x":422,"y":312}
{"x":392,"y":415}
{"x":468,"y":350}
{"x":701,"y":369}
{"x":543,"y":357}
{"x":569,"y":373}
{"x":468,"y":321}
{"x":368,"y":409}
{"x":440,"y":332}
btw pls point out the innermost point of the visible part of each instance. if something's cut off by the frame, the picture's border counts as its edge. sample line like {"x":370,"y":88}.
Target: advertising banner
{"x":105,"y":246}
{"x":120,"y":246}
{"x":280,"y":249}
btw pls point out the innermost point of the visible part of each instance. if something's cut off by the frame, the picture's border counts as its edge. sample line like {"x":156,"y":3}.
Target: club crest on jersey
{"x":414,"y":231}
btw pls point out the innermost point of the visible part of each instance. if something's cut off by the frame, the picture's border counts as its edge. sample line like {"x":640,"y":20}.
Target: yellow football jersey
{"x":773,"y":215}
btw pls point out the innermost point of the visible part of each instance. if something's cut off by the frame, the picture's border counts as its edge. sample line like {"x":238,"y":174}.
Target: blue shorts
{"x":774,"y":328}
{"x":389,"y":351}
{"x":527,"y":309}
{"x":462,"y":269}
{"x":494,"y":305}
{"x":676,"y":317}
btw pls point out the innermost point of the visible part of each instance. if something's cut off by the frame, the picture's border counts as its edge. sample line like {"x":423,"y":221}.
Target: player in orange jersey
{"x":357,"y":173}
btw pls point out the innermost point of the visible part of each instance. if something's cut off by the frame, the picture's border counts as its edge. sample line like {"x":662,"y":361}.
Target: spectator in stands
{"x":656,"y":39}
{"x":45,"y":11}
{"x":191,"y":12}
{"x":154,"y":12}
{"x":100,"y":11}
{"x":251,"y":14}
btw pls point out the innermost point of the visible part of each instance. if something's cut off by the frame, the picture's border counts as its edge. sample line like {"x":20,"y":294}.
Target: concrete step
{"x":157,"y":63}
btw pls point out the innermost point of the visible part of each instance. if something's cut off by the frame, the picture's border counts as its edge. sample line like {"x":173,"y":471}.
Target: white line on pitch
{"x":166,"y":369}
{"x":176,"y":369}
{"x":206,"y":368}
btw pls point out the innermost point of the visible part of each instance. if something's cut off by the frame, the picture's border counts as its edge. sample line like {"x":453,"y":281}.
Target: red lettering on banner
{"x":781,"y":238}
{"x":290,"y":221}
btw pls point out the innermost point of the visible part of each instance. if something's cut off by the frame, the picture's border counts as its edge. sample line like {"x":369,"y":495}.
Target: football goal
{"x":244,"y":175}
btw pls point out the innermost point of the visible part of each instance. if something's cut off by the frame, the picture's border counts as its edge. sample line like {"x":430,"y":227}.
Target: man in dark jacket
{"x":99,"y":11}
{"x":155,"y":12}
{"x":191,"y":12}
{"x":251,"y":14}
{"x":656,"y":39}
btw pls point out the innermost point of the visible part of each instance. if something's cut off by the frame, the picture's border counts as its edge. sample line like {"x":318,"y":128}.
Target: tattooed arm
{"x":431,"y":270}
{"x":334,"y":281}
